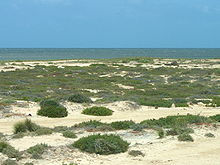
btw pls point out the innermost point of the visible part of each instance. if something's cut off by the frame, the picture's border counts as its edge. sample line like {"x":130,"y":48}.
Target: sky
{"x":110,"y":23}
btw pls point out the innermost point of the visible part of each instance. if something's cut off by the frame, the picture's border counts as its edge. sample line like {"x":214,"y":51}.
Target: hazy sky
{"x":110,"y":23}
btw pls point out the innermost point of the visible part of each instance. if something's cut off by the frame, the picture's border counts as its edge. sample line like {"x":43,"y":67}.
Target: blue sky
{"x":110,"y":23}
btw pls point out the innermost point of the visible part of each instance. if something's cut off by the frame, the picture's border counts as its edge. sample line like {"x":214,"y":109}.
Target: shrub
{"x":37,"y":150}
{"x":215,"y":118}
{"x":105,"y":128}
{"x":25,"y":126}
{"x":102,"y":144}
{"x":138,"y":127}
{"x":122,"y":125}
{"x":49,"y":103}
{"x":8,"y":150}
{"x":97,"y":111}
{"x":216,"y":101}
{"x":161,"y":133}
{"x":185,"y":137}
{"x":53,"y":111}
{"x":178,"y":131}
{"x":155,"y":102}
{"x":79,"y":98}
{"x":28,"y":164}
{"x":210,"y":135}
{"x":90,"y":124}
{"x":60,"y":128}
{"x":136,"y":153}
{"x":43,"y":131}
{"x":9,"y":162}
{"x":69,"y":134}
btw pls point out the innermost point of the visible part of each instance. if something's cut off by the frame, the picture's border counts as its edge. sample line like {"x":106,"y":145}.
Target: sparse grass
{"x":25,"y":126}
{"x":43,"y":131}
{"x":9,"y":162}
{"x":8,"y":150}
{"x":69,"y":134}
{"x":177,"y":131}
{"x":136,"y":153}
{"x":97,"y":111}
{"x":90,"y":124}
{"x":215,"y":118}
{"x":37,"y":150}
{"x":102,"y":144}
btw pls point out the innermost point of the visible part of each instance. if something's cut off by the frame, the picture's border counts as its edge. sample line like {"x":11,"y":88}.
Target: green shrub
{"x":25,"y":126}
{"x":122,"y":125}
{"x":155,"y":102}
{"x":210,"y":135}
{"x":105,"y":128}
{"x":9,"y":162}
{"x":102,"y":144}
{"x":90,"y":124}
{"x":28,"y":164}
{"x":53,"y":111}
{"x":37,"y":150}
{"x":69,"y":134}
{"x":161,"y":133}
{"x":215,"y":118}
{"x":138,"y":127}
{"x":43,"y":131}
{"x":97,"y":111}
{"x":8,"y":150}
{"x":19,"y":135}
{"x":79,"y":98}
{"x":185,"y":137}
{"x":60,"y":129}
{"x":216,"y":101}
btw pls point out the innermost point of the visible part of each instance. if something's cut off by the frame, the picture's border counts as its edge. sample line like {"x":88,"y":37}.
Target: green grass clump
{"x":155,"y":102}
{"x":9,"y":162}
{"x":79,"y":98}
{"x":97,"y":111}
{"x":37,"y":150}
{"x":43,"y":131}
{"x":122,"y":125}
{"x":69,"y":134}
{"x":52,"y":109}
{"x":60,"y":128}
{"x":185,"y":137}
{"x":136,"y":153}
{"x":8,"y":150}
{"x":25,"y":126}
{"x":161,"y":133}
{"x":102,"y":144}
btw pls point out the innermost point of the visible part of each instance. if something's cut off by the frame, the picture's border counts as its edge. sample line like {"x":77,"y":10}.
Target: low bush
{"x":43,"y":131}
{"x":216,"y":101}
{"x":102,"y":144}
{"x":53,"y":111}
{"x":37,"y":150}
{"x":97,"y":111}
{"x":155,"y":102}
{"x":178,"y":131}
{"x":215,"y":118}
{"x":60,"y":129}
{"x":136,"y":153}
{"x":25,"y":126}
{"x":69,"y":134}
{"x":8,"y":150}
{"x":49,"y":103}
{"x":185,"y":137}
{"x":138,"y":127}
{"x":210,"y":135}
{"x":122,"y":125}
{"x":90,"y":124}
{"x":79,"y":98}
{"x":161,"y":133}
{"x":9,"y":162}
{"x":105,"y":128}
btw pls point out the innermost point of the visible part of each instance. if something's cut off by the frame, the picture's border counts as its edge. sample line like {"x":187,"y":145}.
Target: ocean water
{"x":63,"y":53}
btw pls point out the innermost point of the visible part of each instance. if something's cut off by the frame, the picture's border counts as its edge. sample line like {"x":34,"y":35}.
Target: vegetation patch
{"x":90,"y":124}
{"x":43,"y":131}
{"x":97,"y":111}
{"x":25,"y":126}
{"x":136,"y":153}
{"x":79,"y":98}
{"x":102,"y":144}
{"x":209,"y":135}
{"x":122,"y":125}
{"x":52,"y":109}
{"x":9,"y":162}
{"x":37,"y":150}
{"x":69,"y":134}
{"x":185,"y":137}
{"x":215,"y":118}
{"x":8,"y":150}
{"x":177,"y":131}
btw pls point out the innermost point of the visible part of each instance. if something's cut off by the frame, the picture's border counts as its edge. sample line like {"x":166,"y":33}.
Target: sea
{"x":107,"y":53}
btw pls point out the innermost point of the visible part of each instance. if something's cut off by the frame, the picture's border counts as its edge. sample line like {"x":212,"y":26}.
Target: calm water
{"x":46,"y":54}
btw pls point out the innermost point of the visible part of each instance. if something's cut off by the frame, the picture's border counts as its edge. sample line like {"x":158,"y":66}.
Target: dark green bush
{"x":53,"y":111}
{"x":25,"y":126}
{"x":102,"y":144}
{"x":210,"y":135}
{"x":161,"y":133}
{"x":79,"y":98}
{"x":90,"y":124}
{"x":178,"y":131}
{"x":37,"y":150}
{"x":28,"y":164}
{"x":216,"y":101}
{"x":122,"y":125}
{"x":49,"y":103}
{"x":185,"y":137}
{"x":155,"y":102}
{"x":97,"y":111}
{"x":69,"y":134}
